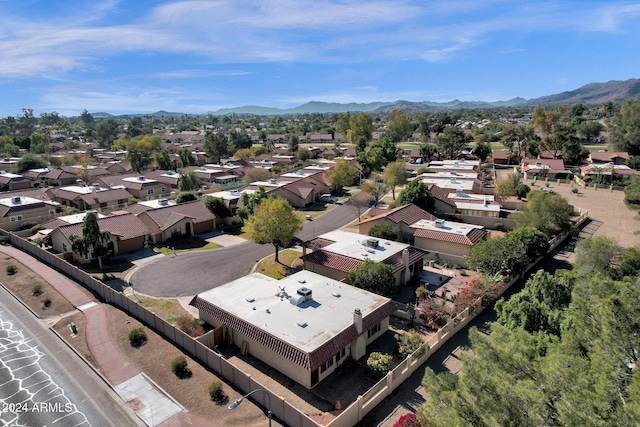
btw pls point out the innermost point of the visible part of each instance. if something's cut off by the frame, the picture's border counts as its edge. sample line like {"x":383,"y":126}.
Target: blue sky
{"x":141,"y":56}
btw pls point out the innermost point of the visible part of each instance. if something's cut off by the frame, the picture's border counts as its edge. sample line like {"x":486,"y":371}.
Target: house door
{"x":314,"y":377}
{"x":188,"y":228}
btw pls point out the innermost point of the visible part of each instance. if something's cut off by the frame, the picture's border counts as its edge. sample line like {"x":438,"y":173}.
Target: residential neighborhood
{"x":330,"y":305}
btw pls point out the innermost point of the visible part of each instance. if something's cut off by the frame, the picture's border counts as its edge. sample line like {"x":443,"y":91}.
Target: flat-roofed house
{"x":401,"y":217}
{"x":338,"y":252}
{"x":128,"y":234}
{"x":174,"y":221}
{"x":476,"y":204}
{"x":304,"y":325}
{"x":17,"y":209}
{"x":447,"y":240}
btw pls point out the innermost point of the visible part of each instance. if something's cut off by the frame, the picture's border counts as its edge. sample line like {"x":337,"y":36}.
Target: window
{"x":64,"y":247}
{"x":150,"y":192}
{"x":163,"y":190}
{"x":343,"y":353}
{"x":329,"y":363}
{"x":371,"y":332}
{"x":16,"y":218}
{"x":323,"y":367}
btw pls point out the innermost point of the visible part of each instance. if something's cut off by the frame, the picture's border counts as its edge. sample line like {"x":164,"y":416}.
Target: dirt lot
{"x":24,"y":282}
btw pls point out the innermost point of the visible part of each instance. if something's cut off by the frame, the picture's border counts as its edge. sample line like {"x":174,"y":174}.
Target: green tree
{"x":408,"y":343}
{"x":185,"y":196}
{"x":39,"y":143}
{"x":549,"y":213}
{"x":8,"y":147}
{"x":217,"y":206}
{"x":135,"y":127}
{"x":93,"y":241}
{"x":343,"y":174}
{"x":385,"y":231}
{"x":540,"y":306}
{"x":163,"y":160}
{"x":240,"y":140}
{"x":186,"y":158}
{"x":256,"y":175}
{"x":140,"y":151}
{"x":395,"y":174}
{"x":452,"y":141}
{"x":515,"y":138}
{"x":360,"y":130}
{"x":624,"y":128}
{"x":632,"y":193}
{"x":374,"y":277}
{"x":216,"y":145}
{"x":250,"y":201}
{"x":498,"y":256}
{"x":86,"y":118}
{"x":188,"y":181}
{"x":343,"y":123}
{"x":427,"y":152}
{"x":574,"y":153}
{"x":482,"y":151}
{"x":418,"y":193}
{"x":596,"y":255}
{"x":107,"y":132}
{"x":273,"y":222}
{"x":374,"y":187}
{"x":399,"y":127}
{"x":29,"y":161}
{"x":294,"y":143}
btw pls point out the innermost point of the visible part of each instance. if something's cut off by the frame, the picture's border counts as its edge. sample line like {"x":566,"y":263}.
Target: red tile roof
{"x":607,"y":156}
{"x":308,"y":360}
{"x":124,"y":226}
{"x":318,"y":243}
{"x":470,"y":239}
{"x":332,"y":260}
{"x":441,"y":195}
{"x":408,"y":214}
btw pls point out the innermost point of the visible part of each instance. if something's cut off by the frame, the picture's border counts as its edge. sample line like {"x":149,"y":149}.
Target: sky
{"x":194,"y":57}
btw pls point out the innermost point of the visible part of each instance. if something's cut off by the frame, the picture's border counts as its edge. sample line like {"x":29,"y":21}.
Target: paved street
{"x":190,"y":273}
{"x":42,"y":382}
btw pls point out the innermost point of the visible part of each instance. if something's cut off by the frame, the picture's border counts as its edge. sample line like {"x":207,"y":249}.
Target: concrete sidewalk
{"x":152,"y":404}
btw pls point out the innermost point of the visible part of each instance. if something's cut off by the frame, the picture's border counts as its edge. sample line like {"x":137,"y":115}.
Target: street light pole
{"x":238,"y":401}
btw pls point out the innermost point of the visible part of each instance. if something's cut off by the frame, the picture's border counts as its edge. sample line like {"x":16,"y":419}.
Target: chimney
{"x":357,"y":320}
{"x":405,"y":258}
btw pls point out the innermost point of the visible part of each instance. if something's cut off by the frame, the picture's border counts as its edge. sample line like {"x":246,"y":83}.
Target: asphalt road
{"x":43,"y":382}
{"x":190,"y":273}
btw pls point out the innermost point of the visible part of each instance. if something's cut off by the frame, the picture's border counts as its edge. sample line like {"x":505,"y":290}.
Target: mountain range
{"x":615,"y":91}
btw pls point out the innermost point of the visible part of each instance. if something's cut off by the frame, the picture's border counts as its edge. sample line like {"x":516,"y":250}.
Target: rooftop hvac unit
{"x":439,"y":223}
{"x":141,"y":178}
{"x":371,"y":243}
{"x":305,"y":293}
{"x":163,"y":202}
{"x":15,"y":200}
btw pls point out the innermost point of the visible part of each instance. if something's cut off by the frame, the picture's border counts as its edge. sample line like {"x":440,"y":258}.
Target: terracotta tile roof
{"x":396,"y":263}
{"x":60,"y":173}
{"x":607,"y":156}
{"x":408,"y":214}
{"x":196,"y":210}
{"x":470,"y":239}
{"x":173,"y":219}
{"x":441,"y":195}
{"x":124,"y":226}
{"x":318,"y":243}
{"x":105,"y":196}
{"x":299,"y":188}
{"x":332,"y":260}
{"x":23,"y":209}
{"x":308,"y":360}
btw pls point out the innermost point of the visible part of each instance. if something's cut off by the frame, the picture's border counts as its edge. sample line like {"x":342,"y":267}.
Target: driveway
{"x":190,"y":273}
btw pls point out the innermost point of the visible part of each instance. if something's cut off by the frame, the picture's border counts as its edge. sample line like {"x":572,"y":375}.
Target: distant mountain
{"x":590,"y":94}
{"x":309,"y":107}
{"x":594,"y":94}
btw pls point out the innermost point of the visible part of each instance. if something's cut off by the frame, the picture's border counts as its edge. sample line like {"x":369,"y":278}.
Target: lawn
{"x":315,"y":210}
{"x":269,"y":267}
{"x":186,"y":244}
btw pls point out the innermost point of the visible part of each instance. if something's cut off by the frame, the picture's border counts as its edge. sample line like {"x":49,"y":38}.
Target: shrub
{"x":132,"y":201}
{"x":574,"y":190}
{"x":36,"y":290}
{"x":4,"y":240}
{"x":46,"y":303}
{"x":407,"y":420}
{"x":186,"y":197}
{"x":137,"y":337}
{"x":385,"y":231}
{"x":36,"y":228}
{"x":190,"y":326}
{"x":522,"y":190}
{"x":27,"y":225}
{"x":408,"y":343}
{"x":422,"y":293}
{"x":180,"y":368}
{"x":433,"y":312}
{"x":11,"y":269}
{"x":379,"y":364}
{"x":216,"y":393}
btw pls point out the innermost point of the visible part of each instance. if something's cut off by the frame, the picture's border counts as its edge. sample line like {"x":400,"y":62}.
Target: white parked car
{"x":327,"y":198}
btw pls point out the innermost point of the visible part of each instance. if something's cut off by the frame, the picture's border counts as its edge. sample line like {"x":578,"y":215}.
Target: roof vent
{"x":302,"y":324}
{"x":250,"y":299}
{"x":336,"y":294}
{"x":459,"y":192}
{"x":453,"y":180}
{"x":296,"y":299}
{"x":439,"y":223}
{"x":272,"y":181}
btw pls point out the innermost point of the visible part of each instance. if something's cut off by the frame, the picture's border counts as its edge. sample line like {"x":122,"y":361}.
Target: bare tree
{"x":360,"y":203}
